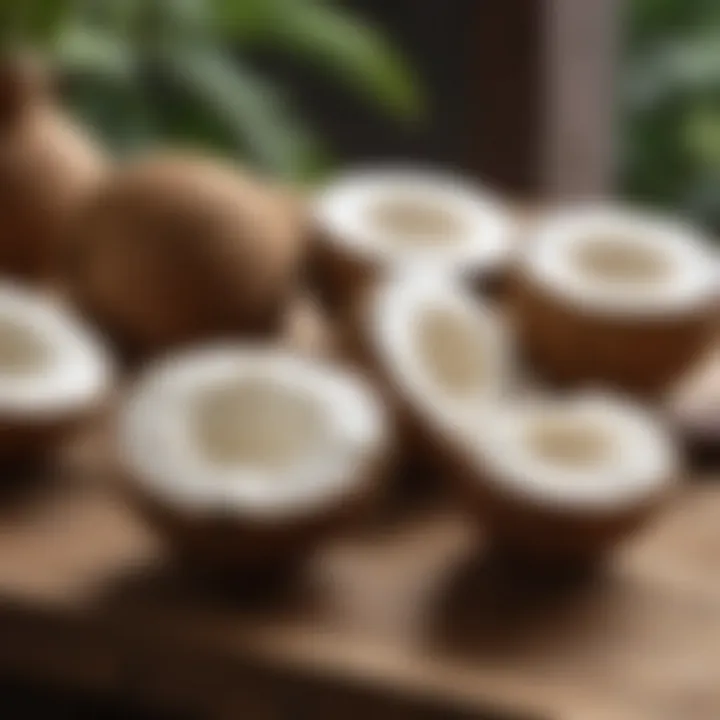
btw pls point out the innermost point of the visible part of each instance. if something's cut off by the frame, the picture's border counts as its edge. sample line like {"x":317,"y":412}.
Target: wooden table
{"x":404,"y":620}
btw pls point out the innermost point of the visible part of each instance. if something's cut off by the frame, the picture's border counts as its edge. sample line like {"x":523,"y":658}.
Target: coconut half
{"x":441,"y":356}
{"x":566,"y":478}
{"x":612,"y":295}
{"x":53,"y":371}
{"x":243,"y":454}
{"x":377,"y":220}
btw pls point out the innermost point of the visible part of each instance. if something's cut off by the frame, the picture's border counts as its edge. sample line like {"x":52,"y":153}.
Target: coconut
{"x":242,"y":456}
{"x":693,"y":406}
{"x":53,"y":372}
{"x":48,"y":165}
{"x":370,"y":222}
{"x":307,"y":329}
{"x":439,"y":354}
{"x":565,"y":479}
{"x":615,"y":296}
{"x":176,"y":249}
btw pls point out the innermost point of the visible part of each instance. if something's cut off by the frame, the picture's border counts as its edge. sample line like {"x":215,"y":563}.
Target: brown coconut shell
{"x":175,"y":249}
{"x":33,"y":441}
{"x":342,"y":274}
{"x":539,"y":534}
{"x":342,"y":277}
{"x":308,"y":330}
{"x":225,"y":541}
{"x":48,"y":166}
{"x":23,"y":81}
{"x":339,"y":276}
{"x":573,"y":346}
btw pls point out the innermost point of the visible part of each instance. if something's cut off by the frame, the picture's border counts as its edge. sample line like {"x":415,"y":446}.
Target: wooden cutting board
{"x":407,"y":619}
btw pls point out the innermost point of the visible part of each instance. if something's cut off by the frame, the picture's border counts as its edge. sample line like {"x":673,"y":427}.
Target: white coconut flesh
{"x":250,"y":431}
{"x":618,"y":260}
{"x":400,"y":216}
{"x":442,"y":348}
{"x":50,"y":363}
{"x":592,"y":452}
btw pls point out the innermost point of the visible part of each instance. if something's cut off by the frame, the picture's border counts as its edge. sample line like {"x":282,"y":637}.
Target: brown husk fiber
{"x":572,"y":346}
{"x":48,"y":166}
{"x":175,"y":249}
{"x":227,"y":540}
{"x":540,"y":532}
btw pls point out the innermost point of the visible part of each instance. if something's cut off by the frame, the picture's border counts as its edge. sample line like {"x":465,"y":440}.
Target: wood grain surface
{"x":406,"y":619}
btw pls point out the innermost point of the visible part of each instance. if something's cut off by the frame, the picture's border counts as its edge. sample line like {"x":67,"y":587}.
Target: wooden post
{"x":541,"y":96}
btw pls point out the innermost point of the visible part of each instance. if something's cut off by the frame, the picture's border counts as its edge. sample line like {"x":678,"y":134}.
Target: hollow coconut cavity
{"x":442,"y":350}
{"x":399,"y":216}
{"x":250,"y":432}
{"x":590,"y":453}
{"x":51,"y":365}
{"x":619,"y":261}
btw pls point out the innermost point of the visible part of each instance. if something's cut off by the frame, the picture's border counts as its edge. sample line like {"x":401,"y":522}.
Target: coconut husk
{"x":572,"y":346}
{"x":48,"y":166}
{"x":173,"y":250}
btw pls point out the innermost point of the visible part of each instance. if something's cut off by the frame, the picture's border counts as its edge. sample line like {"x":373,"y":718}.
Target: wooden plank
{"x":404,"y":620}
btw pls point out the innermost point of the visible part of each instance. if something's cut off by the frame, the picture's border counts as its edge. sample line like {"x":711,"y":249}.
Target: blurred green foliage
{"x":672,"y":106}
{"x":149,"y":70}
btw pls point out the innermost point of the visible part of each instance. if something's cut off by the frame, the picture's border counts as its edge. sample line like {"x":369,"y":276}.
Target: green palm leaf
{"x":247,"y":105}
{"x":331,"y":39}
{"x":34,"y":21}
{"x":104,"y":48}
{"x":84,"y":50}
{"x":675,"y":68}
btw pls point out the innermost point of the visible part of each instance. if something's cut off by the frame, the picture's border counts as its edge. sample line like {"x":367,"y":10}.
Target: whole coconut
{"x":173,"y":249}
{"x":47,"y":167}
